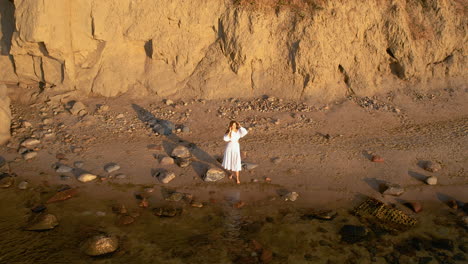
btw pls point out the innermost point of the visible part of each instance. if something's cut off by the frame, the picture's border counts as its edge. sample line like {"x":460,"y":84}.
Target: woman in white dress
{"x":232,"y":157}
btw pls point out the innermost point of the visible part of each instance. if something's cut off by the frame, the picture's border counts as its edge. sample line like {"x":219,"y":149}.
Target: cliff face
{"x":320,"y":50}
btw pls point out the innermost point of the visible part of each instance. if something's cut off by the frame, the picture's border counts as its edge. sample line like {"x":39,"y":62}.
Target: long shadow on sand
{"x":202,"y":160}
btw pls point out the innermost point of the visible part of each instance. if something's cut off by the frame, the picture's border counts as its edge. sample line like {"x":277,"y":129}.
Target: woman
{"x":232,"y":157}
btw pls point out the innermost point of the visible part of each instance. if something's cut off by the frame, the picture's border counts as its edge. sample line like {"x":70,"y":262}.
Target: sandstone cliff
{"x":319,"y":50}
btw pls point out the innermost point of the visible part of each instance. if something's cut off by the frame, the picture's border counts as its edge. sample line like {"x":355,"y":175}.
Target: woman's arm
{"x":243,"y":132}
{"x":227,"y":138}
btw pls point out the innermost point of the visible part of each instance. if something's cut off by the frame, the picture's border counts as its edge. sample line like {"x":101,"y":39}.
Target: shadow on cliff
{"x":7,"y":23}
{"x":202,"y":160}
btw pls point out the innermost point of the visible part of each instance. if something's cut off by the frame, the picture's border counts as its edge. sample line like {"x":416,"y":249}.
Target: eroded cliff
{"x":319,"y":50}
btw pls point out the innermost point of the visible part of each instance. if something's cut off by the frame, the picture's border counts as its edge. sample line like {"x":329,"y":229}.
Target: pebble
{"x":432,"y":166}
{"x":168,"y":102}
{"x":143,"y":203}
{"x":111,"y":167}
{"x":78,"y":108}
{"x":431,"y":180}
{"x":276,"y":160}
{"x":30,"y":142}
{"x":166,"y":161}
{"x":196,"y":204}
{"x":120,"y":116}
{"x":183,"y":162}
{"x":185,"y":129}
{"x":47,"y":121}
{"x":26,"y":124}
{"x":393,"y":189}
{"x":78,"y":164}
{"x":213,"y":175}
{"x":292,"y":196}
{"x":63,"y":169}
{"x":43,"y":222}
{"x":249,"y":166}
{"x":415,"y":206}
{"x":125,"y":220}
{"x":29,"y":155}
{"x":49,"y":135}
{"x":121,"y":176}
{"x":23,"y":185}
{"x":175,"y":197}
{"x":165,"y":176}
{"x":86,"y":177}
{"x":377,"y":158}
{"x":100,"y":245}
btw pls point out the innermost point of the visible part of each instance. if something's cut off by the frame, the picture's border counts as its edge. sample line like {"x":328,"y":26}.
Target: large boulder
{"x":5,"y":115}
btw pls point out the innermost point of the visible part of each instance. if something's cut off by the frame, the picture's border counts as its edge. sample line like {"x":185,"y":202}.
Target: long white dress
{"x":232,"y":157}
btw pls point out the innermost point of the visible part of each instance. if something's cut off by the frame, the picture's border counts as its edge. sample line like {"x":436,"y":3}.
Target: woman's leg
{"x":237,"y":177}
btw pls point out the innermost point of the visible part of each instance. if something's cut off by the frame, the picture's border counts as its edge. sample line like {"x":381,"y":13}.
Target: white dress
{"x":232,"y":157}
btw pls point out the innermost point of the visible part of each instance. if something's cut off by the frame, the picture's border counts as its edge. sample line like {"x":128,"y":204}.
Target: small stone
{"x":196,"y":204}
{"x":276,"y":160}
{"x":48,"y":135}
{"x":168,"y":102}
{"x":100,"y":245}
{"x":63,"y":195}
{"x":213,"y":175}
{"x":100,"y":213}
{"x":267,"y":179}
{"x":38,"y":208}
{"x":86,"y":177}
{"x":183,"y":162}
{"x":119,"y":209}
{"x":166,"y":212}
{"x":431,"y":180}
{"x":292,"y":196}
{"x":239,"y":204}
{"x":111,"y":167}
{"x":415,"y":206}
{"x":148,"y":190}
{"x":47,"y":121}
{"x":63,"y":169}
{"x":6,"y":180}
{"x":78,"y":164}
{"x":185,"y":129}
{"x":452,"y":204}
{"x":125,"y":220}
{"x":432,"y":166}
{"x":43,"y":222}
{"x":30,"y":142}
{"x":249,"y":166}
{"x":166,"y":161}
{"x":175,"y":197}
{"x":23,"y":185}
{"x":165,"y":176}
{"x":29,"y":155}
{"x":76,"y":149}
{"x":181,"y":152}
{"x":76,"y":108}
{"x":120,"y":116}
{"x":65,"y":177}
{"x":121,"y":176}
{"x":60,"y":156}
{"x":143,"y":203}
{"x":103,"y":108}
{"x":26,"y":124}
{"x":393,"y":189}
{"x":377,"y":158}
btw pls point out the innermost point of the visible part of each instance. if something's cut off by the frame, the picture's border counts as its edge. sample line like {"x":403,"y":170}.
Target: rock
{"x":276,"y":160}
{"x":327,"y":215}
{"x":196,"y":204}
{"x":175,"y":197}
{"x":119,"y":209}
{"x":143,"y":203}
{"x":120,"y":116}
{"x":291,"y":196}
{"x":165,"y":176}
{"x":29,"y":155}
{"x":6,"y":180}
{"x":78,"y":164}
{"x":185,"y":129}
{"x":111,"y":167}
{"x":168,"y":102}
{"x":445,"y":244}
{"x":213,"y":175}
{"x":452,"y":204}
{"x":100,"y":245}
{"x":121,"y":176}
{"x":125,"y":220}
{"x":167,"y":212}
{"x":393,"y":189}
{"x":2,"y":161}
{"x":431,"y":180}
{"x":238,"y":204}
{"x":181,"y":152}
{"x":267,"y":179}
{"x":377,"y":158}
{"x":60,"y":156}
{"x":23,"y":185}
{"x":26,"y":124}
{"x":249,"y":166}
{"x":48,"y":135}
{"x":86,"y":177}
{"x":65,"y":177}
{"x":100,"y":213}
{"x":166,"y":161}
{"x":47,"y":121}
{"x":415,"y":206}
{"x":5,"y":113}
{"x":432,"y":166}
{"x":77,"y":108}
{"x":38,"y":208}
{"x":30,"y":142}
{"x":43,"y":222}
{"x":352,"y":234}
{"x":63,"y":169}
{"x":183,"y":162}
{"x":63,"y":195}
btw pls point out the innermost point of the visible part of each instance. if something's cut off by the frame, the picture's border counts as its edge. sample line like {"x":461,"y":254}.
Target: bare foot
{"x":238,"y":182}
{"x":230,"y":176}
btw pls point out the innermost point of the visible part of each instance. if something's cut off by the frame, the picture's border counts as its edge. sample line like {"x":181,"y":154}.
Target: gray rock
{"x":181,"y":152}
{"x":23,"y":185}
{"x":111,"y":167}
{"x":431,"y":180}
{"x":100,"y":245}
{"x":77,"y":108}
{"x":292,"y":196}
{"x":29,"y":155}
{"x":30,"y":142}
{"x":165,"y":176}
{"x":63,"y":169}
{"x":393,"y":189}
{"x":78,"y":164}
{"x":43,"y":222}
{"x":249,"y":166}
{"x":65,"y":177}
{"x":183,"y":162}
{"x":432,"y":166}
{"x":214,"y":174}
{"x":185,"y":129}
{"x":121,"y":176}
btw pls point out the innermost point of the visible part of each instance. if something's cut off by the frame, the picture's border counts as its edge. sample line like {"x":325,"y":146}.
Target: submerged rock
{"x":352,"y":234}
{"x":100,"y":245}
{"x":214,"y":174}
{"x":322,"y":215}
{"x":167,"y":211}
{"x":63,"y":195}
{"x":6,"y":180}
{"x":23,"y":185}
{"x":43,"y":222}
{"x":292,"y":196}
{"x":175,"y":197}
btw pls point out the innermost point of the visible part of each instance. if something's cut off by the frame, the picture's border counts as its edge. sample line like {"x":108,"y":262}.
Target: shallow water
{"x":220,"y":233}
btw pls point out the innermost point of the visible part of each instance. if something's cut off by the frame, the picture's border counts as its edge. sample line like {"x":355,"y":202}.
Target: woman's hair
{"x":230,"y":125}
